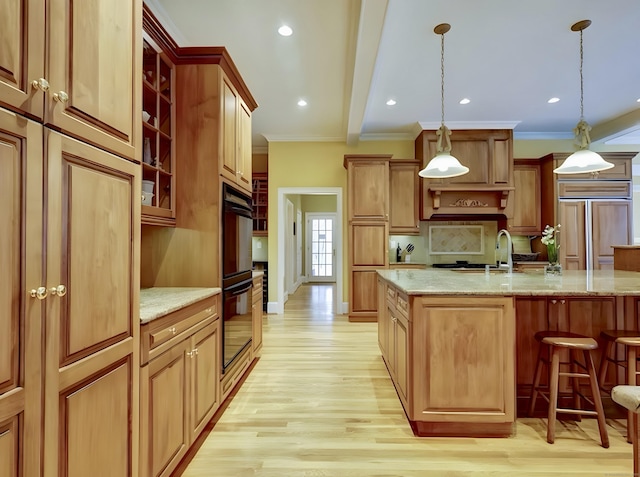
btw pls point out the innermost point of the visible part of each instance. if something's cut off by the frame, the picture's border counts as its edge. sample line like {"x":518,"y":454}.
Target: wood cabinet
{"x":68,"y":360}
{"x":485,"y":189}
{"x":367,"y":187}
{"x":158,"y":134}
{"x":91,"y":350}
{"x":21,"y":253}
{"x":404,"y":197}
{"x":595,"y":214}
{"x":368,"y":218}
{"x":459,"y":382}
{"x":74,"y":68}
{"x":260,"y":204}
{"x":256,"y":316}
{"x":179,"y":383}
{"x":235,"y":132}
{"x":525,"y":198}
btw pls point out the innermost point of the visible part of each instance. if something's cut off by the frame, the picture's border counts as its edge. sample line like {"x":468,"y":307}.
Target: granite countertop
{"x":527,"y":283}
{"x":160,"y":301}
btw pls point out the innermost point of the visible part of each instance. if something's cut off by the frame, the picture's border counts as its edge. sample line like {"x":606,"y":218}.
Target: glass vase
{"x":553,"y":269}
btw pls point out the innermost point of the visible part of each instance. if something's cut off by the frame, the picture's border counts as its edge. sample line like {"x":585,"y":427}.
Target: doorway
{"x":320,"y":247}
{"x":280,"y":284}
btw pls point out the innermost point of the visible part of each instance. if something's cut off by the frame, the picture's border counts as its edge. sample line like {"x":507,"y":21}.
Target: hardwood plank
{"x":320,"y":403}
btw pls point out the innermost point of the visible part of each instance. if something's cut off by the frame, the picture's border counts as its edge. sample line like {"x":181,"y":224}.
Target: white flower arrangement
{"x":550,"y":239}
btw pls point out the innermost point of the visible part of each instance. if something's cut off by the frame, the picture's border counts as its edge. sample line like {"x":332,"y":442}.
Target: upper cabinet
{"x":158,"y":133}
{"x":235,"y":163}
{"x":488,"y":153}
{"x":368,"y":186}
{"x":403,"y":197}
{"x":79,"y":75}
{"x":526,"y":198}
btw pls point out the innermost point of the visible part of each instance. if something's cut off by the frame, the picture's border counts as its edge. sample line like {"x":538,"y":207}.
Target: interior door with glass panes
{"x":321,"y":250}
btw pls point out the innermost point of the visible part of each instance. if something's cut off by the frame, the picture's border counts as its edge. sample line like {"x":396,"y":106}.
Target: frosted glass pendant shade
{"x":582,"y":161}
{"x":443,"y":165}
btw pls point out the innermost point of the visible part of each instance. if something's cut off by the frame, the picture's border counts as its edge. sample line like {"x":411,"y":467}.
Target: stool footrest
{"x":574,"y":375}
{"x":582,"y":412}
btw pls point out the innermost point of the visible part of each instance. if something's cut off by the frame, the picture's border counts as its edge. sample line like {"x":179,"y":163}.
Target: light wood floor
{"x":320,"y":403}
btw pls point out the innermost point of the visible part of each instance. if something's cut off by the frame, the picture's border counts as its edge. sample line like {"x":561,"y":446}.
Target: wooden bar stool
{"x":554,"y":343}
{"x":631,"y":342}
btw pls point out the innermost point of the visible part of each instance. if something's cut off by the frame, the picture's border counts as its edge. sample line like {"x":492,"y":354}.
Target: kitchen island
{"x":459,"y":344}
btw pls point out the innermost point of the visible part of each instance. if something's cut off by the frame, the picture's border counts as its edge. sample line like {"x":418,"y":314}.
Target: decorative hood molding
{"x":485,"y":190}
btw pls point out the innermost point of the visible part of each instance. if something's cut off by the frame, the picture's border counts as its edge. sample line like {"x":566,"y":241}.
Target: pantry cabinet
{"x":68,"y":363}
{"x":179,"y":383}
{"x":368,"y":218}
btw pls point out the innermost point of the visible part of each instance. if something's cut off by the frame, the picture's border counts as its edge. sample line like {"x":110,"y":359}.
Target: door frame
{"x":340,"y":307}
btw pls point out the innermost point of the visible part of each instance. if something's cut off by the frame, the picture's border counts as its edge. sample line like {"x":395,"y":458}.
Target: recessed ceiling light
{"x":638,"y":100}
{"x":553,"y":100}
{"x":465,"y":101}
{"x":302,"y":102}
{"x":391,"y":102}
{"x":285,"y":30}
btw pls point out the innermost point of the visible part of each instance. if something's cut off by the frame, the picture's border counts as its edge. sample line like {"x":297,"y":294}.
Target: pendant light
{"x":583,"y":160}
{"x":443,"y":164}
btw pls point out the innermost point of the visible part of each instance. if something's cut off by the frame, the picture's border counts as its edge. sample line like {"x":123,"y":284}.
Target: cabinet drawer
{"x":594,"y":189}
{"x":162,"y":333}
{"x":402,"y":305}
{"x":391,"y":295}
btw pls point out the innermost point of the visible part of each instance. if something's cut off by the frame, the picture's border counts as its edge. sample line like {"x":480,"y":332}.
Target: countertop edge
{"x":157,"y":302}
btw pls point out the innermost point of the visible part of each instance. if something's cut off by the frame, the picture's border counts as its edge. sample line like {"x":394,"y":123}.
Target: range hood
{"x":485,"y":191}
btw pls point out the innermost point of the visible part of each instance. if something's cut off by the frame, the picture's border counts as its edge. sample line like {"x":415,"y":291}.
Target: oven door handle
{"x":240,"y":288}
{"x":239,"y":211}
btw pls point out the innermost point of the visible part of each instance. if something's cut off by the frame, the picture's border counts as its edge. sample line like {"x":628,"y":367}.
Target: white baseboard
{"x":272,"y":307}
{"x":345,"y":308}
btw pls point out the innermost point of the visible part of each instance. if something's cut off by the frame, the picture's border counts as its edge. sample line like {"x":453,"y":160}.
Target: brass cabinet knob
{"x":60,"y":290}
{"x":173,"y":330}
{"x":209,"y":310}
{"x":40,"y":84}
{"x":40,"y":293}
{"x":61,"y":97}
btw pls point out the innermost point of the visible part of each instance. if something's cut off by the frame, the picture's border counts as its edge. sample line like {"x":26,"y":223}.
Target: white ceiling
{"x":347,"y":57}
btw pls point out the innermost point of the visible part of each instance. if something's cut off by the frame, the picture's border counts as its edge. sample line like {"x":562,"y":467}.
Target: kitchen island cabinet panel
{"x":9,"y":445}
{"x":457,"y":376}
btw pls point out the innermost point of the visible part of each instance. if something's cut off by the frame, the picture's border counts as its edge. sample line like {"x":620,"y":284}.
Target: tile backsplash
{"x":473,"y":241}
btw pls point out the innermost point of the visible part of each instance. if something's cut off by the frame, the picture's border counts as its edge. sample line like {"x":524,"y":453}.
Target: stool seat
{"x":573,"y":343}
{"x":555,"y":343}
{"x":630,"y":339}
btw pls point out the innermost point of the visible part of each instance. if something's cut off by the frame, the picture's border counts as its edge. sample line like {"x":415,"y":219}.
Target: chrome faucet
{"x":509,"y":250}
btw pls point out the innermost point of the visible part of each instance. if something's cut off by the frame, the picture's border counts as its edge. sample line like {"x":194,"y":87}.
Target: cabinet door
{"x":401,"y":351}
{"x":205,"y":377}
{"x":22,"y":55}
{"x":526,"y":200}
{"x":244,"y":146}
{"x":229,"y":119}
{"x":256,"y":315}
{"x":364,"y":296}
{"x":368,"y":190}
{"x":165,"y":392}
{"x":403,"y":199}
{"x":92,"y":325}
{"x":459,"y":376}
{"x":94,"y":72}
{"x":20,"y":314}
{"x":383,"y":319}
{"x":369,"y":244}
{"x":573,"y":246}
{"x":610,"y":225}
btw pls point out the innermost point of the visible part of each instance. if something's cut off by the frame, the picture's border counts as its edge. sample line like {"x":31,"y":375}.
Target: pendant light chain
{"x":442,"y":76}
{"x":581,"y":80}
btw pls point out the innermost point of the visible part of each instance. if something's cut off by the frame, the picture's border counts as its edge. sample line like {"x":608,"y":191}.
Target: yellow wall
{"x":316,"y":164}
